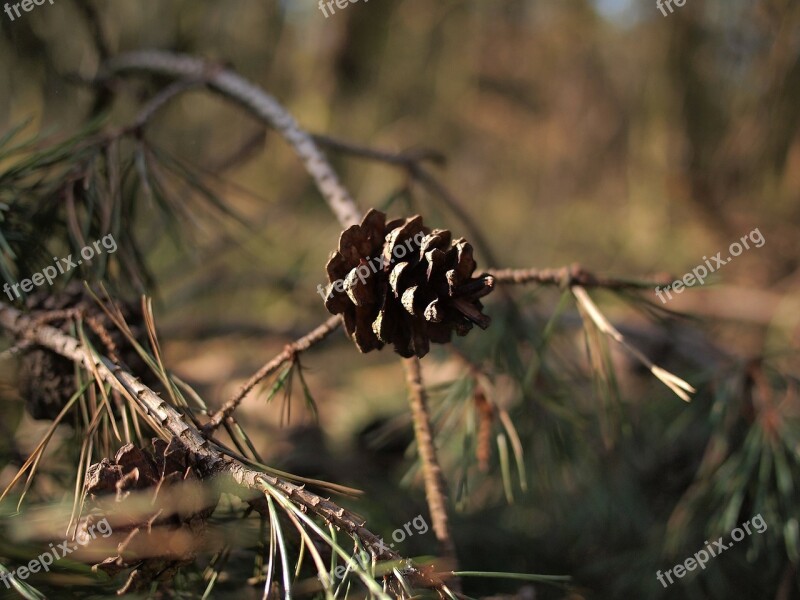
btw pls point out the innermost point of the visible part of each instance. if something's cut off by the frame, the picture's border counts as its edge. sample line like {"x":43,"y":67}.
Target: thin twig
{"x":160,"y":99}
{"x":249,"y":148}
{"x":565,"y":277}
{"x":435,"y":485}
{"x":232,"y":85}
{"x":435,"y":187}
{"x":289,"y":352}
{"x":402,"y":159}
{"x":484,"y":407}
{"x":412,"y":161}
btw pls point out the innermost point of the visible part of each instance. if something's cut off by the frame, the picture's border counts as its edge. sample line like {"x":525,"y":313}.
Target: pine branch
{"x":289,"y":352}
{"x":232,"y":85}
{"x":566,"y":277}
{"x":157,"y":102}
{"x":247,"y":483}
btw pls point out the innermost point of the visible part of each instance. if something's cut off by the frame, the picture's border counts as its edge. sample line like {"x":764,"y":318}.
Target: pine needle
{"x":673,"y":382}
{"x":33,"y":459}
{"x":275,"y":526}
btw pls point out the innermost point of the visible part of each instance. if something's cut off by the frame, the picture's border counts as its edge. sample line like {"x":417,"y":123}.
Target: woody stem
{"x":435,"y":486}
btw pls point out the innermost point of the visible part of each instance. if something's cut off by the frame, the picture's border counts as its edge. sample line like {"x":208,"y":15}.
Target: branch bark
{"x":304,"y":343}
{"x":566,"y":277}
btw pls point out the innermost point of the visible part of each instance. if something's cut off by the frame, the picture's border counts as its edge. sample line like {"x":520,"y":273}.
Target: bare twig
{"x":567,"y":276}
{"x":434,"y":186}
{"x":435,"y":485}
{"x":160,"y":99}
{"x":304,"y":343}
{"x":232,"y":85}
{"x":401,"y":159}
{"x":249,"y":148}
{"x":212,"y":461}
{"x":412,"y":161}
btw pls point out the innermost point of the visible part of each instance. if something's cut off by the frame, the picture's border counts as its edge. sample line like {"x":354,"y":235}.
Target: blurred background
{"x":602,"y":133}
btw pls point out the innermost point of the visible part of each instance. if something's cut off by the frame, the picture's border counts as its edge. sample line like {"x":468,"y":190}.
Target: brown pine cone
{"x":403,"y":284}
{"x":155,"y":508}
{"x":46,"y":379}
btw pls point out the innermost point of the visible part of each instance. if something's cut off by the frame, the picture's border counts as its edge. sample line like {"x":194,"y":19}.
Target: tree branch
{"x":435,"y":485}
{"x":232,"y":85}
{"x":304,"y":343}
{"x":211,"y":460}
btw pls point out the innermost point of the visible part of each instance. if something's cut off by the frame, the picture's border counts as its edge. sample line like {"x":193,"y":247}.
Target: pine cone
{"x":46,"y":379}
{"x":159,"y":528}
{"x":403,"y":284}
